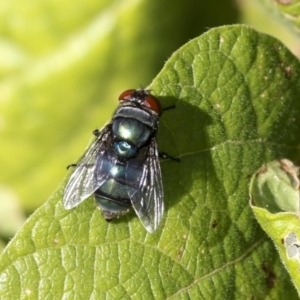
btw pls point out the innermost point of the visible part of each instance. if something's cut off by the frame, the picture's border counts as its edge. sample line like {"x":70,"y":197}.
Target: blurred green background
{"x":63,"y":65}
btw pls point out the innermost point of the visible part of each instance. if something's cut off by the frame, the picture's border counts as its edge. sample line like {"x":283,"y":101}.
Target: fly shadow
{"x":182,"y":135}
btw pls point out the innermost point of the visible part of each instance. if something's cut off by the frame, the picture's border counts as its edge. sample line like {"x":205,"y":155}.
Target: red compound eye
{"x":141,"y":97}
{"x":152,"y":103}
{"x":126,"y":95}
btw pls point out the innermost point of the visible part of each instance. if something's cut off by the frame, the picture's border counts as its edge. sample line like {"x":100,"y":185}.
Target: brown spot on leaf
{"x":288,"y":72}
{"x":270,"y":276}
{"x":214,"y":224}
{"x":180,"y":253}
{"x":262,"y":170}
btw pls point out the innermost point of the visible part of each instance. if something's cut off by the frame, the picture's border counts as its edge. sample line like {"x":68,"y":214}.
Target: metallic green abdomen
{"x":120,"y":182}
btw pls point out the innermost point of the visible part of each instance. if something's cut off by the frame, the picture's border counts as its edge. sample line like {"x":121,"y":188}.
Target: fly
{"x":121,"y":167}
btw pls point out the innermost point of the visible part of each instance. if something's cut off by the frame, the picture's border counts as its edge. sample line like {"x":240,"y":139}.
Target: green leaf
{"x":236,"y":96}
{"x":274,"y":191}
{"x":275,"y":187}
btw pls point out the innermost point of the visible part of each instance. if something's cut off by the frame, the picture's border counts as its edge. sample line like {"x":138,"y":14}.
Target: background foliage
{"x":64,"y":65}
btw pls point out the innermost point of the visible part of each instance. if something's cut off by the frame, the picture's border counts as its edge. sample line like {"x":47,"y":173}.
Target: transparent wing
{"x":87,"y":176}
{"x":147,"y":196}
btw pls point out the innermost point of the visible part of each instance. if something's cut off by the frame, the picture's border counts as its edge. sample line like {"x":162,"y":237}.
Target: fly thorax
{"x":134,"y":126}
{"x":133,"y":131}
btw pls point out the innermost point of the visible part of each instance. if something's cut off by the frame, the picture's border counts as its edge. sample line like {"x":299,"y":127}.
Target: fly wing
{"x":146,"y":192}
{"x":87,"y":176}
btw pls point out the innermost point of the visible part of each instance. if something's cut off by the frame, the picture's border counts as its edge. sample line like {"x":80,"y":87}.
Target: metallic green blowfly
{"x":121,"y":167}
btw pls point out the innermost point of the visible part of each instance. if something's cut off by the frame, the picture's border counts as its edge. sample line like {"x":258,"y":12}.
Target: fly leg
{"x":96,"y":132}
{"x":167,"y":108}
{"x":75,"y":165}
{"x":71,"y":166}
{"x":164,"y":155}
